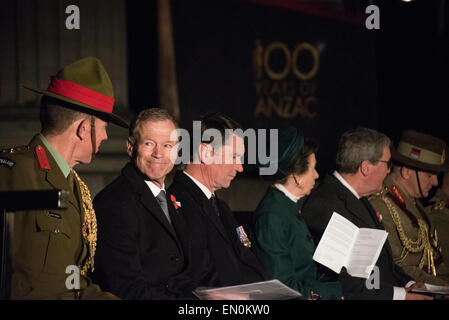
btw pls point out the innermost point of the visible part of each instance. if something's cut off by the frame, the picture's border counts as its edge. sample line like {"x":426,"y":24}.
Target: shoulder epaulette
{"x":379,"y":194}
{"x":15,"y":149}
{"x":439,"y":205}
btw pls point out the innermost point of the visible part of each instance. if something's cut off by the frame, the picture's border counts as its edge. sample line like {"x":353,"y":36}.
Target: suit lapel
{"x":148,"y":200}
{"x":150,"y":203}
{"x":200,"y":198}
{"x":209,"y":212}
{"x":353,"y":205}
{"x":179,"y":227}
{"x":361,"y":212}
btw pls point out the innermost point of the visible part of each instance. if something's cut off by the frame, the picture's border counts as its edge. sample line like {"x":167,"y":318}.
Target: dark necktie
{"x":214,"y":204}
{"x":162,"y":199}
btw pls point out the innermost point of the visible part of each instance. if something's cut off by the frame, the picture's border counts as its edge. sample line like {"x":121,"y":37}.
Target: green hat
{"x":421,"y":151}
{"x":290,"y":147}
{"x":86,"y":84}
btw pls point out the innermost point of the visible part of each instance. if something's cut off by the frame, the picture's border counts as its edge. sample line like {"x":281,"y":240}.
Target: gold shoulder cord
{"x":422,"y":243}
{"x":89,"y":228}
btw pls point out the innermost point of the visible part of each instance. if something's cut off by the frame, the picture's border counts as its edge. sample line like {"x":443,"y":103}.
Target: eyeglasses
{"x":389,"y":163}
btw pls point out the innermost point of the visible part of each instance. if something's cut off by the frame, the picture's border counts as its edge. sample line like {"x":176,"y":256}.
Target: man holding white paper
{"x":363,"y":161}
{"x":345,"y":245}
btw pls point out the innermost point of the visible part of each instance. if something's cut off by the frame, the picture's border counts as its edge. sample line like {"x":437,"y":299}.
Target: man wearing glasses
{"x":418,"y":159}
{"x":362,"y":163}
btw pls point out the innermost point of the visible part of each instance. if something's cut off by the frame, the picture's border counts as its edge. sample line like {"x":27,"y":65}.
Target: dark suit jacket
{"x":234,"y":263}
{"x":331,"y":195}
{"x":139,"y":254}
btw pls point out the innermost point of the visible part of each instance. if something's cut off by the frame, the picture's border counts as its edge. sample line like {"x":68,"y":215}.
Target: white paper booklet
{"x":265,"y":290}
{"x":343,"y":244}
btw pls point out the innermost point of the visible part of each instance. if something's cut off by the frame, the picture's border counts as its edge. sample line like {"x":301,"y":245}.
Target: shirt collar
{"x":155,"y":190}
{"x":203,"y":188}
{"x":62,"y":164}
{"x":287,"y":193}
{"x":346,"y":184}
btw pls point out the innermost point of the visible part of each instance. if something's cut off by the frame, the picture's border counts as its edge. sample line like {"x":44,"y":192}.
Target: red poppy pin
{"x":175,"y":203}
{"x":379,"y":216}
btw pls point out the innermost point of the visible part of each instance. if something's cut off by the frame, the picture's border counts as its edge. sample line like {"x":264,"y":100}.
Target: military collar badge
{"x":41,"y":155}
{"x":397,"y":194}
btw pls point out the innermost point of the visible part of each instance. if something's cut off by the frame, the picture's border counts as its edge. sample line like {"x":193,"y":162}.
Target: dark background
{"x":390,"y":79}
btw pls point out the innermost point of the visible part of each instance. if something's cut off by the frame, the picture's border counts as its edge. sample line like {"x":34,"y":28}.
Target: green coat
{"x":44,"y":242}
{"x":285,"y":247}
{"x":409,"y":261}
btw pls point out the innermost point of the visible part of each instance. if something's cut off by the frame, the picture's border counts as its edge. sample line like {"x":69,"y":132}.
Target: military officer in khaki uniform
{"x":417,"y":159}
{"x":74,"y":113}
{"x":438,"y":214}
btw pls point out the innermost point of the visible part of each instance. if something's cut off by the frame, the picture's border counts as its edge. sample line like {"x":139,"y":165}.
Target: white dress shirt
{"x":203,"y":188}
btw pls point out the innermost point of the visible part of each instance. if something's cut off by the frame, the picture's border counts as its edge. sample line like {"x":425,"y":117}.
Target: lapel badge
{"x":176,"y":204}
{"x":379,"y":216}
{"x":243,"y":237}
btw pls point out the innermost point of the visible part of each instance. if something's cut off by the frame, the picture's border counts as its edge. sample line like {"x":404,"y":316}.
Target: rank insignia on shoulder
{"x":243,"y":237}
{"x":15,"y":149}
{"x":8,"y":163}
{"x":438,"y":206}
{"x":41,"y":155}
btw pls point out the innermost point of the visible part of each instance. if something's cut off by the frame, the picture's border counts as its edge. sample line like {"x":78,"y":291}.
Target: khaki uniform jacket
{"x":44,"y":242}
{"x":438,"y":215}
{"x":407,"y":260}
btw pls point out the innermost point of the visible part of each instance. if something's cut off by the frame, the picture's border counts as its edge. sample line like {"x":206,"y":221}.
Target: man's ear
{"x":206,"y":153}
{"x":81,"y":126}
{"x":405,"y":173}
{"x":129,"y":148}
{"x":364,"y":167}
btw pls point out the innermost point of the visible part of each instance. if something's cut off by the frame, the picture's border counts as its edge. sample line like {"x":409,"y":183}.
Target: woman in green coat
{"x":283,"y":242}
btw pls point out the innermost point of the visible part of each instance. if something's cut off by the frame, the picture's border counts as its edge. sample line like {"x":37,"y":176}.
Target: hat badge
{"x":415,"y":153}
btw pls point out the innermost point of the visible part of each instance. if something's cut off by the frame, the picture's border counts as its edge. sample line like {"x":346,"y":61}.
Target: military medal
{"x":243,"y":237}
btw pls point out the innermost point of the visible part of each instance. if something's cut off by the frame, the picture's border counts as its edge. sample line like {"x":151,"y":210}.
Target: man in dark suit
{"x":217,"y":232}
{"x":143,"y":247}
{"x":363,"y":161}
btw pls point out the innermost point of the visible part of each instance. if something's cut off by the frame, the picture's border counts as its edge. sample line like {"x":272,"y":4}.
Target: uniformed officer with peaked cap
{"x":75,"y":110}
{"x":437,"y":210}
{"x":417,"y":160}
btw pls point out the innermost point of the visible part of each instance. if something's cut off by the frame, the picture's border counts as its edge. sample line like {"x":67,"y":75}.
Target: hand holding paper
{"x":343,"y":244}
